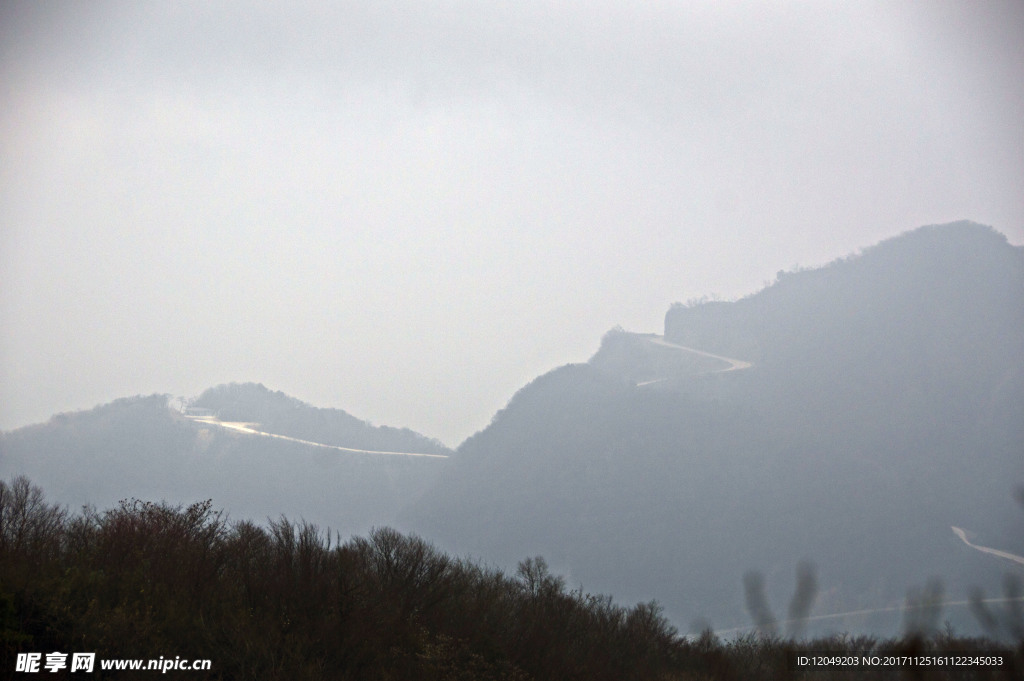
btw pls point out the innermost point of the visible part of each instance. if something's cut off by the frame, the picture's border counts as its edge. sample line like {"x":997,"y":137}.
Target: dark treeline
{"x":146,"y":580}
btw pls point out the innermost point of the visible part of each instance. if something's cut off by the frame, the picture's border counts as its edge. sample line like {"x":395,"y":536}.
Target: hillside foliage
{"x":286,"y":601}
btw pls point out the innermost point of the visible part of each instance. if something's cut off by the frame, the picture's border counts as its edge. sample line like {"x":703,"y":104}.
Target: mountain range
{"x":149,"y":447}
{"x":882,"y":402}
{"x":844,"y":417}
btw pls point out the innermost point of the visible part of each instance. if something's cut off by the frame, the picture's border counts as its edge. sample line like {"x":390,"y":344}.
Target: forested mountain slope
{"x":883,"y":405}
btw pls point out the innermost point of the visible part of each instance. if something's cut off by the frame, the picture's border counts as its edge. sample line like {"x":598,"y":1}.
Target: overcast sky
{"x":408,"y":210}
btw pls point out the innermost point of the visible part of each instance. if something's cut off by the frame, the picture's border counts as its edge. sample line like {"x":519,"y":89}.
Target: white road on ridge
{"x":247,"y":428}
{"x":984,"y":549}
{"x":868,"y":611}
{"x":734,"y":364}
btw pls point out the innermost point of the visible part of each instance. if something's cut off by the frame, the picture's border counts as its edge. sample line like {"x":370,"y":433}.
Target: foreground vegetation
{"x":146,"y":580}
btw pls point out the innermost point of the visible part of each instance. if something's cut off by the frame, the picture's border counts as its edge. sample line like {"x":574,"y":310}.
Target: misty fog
{"x":409,"y":210}
{"x":718,"y":306}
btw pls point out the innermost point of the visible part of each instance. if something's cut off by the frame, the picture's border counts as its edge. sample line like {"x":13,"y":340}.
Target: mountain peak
{"x":952,"y":290}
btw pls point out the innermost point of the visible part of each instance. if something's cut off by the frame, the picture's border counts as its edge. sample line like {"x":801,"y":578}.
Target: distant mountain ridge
{"x":278,"y":413}
{"x":882,"y":407}
{"x":963,"y":276}
{"x":140,"y":447}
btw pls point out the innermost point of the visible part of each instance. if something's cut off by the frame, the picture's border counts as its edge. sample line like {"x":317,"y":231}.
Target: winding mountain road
{"x":984,"y":549}
{"x":734,"y":364}
{"x":247,"y":428}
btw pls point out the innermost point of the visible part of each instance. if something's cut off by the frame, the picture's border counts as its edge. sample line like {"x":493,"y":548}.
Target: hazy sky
{"x":407,"y":210}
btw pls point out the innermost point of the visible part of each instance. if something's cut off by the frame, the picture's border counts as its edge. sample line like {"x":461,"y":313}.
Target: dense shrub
{"x":288,"y":601}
